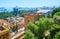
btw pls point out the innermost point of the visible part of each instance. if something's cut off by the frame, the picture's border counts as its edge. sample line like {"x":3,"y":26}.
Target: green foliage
{"x":29,"y":35}
{"x":5,"y":15}
{"x":49,"y":16}
{"x":39,"y":28}
{"x":57,"y":14}
{"x":44,"y":22}
{"x":13,"y":29}
{"x":54,"y":29}
{"x":56,"y":10}
{"x":57,"y":36}
{"x":33,"y":28}
{"x":21,"y":12}
{"x":56,"y":18}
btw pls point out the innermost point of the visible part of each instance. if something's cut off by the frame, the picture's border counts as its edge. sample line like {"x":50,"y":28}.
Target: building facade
{"x":32,"y":17}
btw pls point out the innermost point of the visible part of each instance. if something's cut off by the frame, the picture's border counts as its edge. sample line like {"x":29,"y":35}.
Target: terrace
{"x":4,"y":33}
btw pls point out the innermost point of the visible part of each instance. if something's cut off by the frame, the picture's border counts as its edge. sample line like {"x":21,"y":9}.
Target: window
{"x":28,"y":21}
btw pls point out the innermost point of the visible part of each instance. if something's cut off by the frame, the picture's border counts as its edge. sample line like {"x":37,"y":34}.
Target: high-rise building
{"x":15,"y":10}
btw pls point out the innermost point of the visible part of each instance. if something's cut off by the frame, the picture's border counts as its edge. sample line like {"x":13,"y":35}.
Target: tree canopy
{"x":39,"y":27}
{"x":56,"y":10}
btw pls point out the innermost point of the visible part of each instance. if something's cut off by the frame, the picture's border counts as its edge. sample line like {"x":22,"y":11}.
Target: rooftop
{"x":33,"y":14}
{"x":1,"y":28}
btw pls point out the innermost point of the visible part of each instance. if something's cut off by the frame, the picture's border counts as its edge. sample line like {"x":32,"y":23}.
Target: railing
{"x":20,"y":33}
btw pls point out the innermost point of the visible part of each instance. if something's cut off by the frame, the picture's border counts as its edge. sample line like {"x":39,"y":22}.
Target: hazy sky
{"x":29,"y":3}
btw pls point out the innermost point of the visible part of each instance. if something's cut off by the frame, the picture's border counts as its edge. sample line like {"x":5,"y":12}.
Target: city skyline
{"x":29,"y":3}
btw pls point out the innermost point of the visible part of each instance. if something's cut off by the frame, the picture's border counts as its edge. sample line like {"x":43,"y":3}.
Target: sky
{"x":29,"y":3}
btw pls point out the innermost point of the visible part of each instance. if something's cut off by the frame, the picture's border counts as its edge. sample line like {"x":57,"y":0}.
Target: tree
{"x":54,"y":29}
{"x":56,"y":10}
{"x":49,"y":16}
{"x":40,"y":27}
{"x":57,"y":18}
{"x":57,"y":36}
{"x":29,"y":35}
{"x":44,"y":24}
{"x":5,"y":15}
{"x":57,"y":14}
{"x":33,"y":28}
